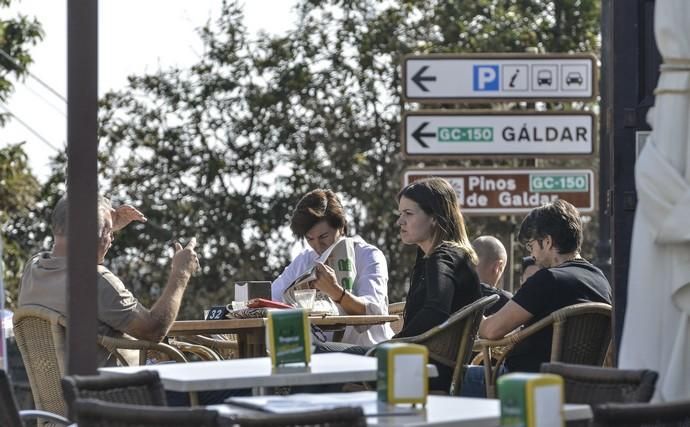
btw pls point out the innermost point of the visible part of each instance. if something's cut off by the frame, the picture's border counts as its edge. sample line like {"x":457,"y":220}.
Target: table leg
{"x":193,"y":398}
{"x":252,"y":342}
{"x":259,"y":391}
{"x":338,"y":335}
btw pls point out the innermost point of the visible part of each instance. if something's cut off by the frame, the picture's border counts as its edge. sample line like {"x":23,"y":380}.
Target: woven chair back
{"x":139,"y":388}
{"x":581,"y":334}
{"x":40,"y":336}
{"x":97,"y":413}
{"x":339,"y":417}
{"x":450,"y":343}
{"x":454,"y":336}
{"x":676,"y":414}
{"x":596,"y":385}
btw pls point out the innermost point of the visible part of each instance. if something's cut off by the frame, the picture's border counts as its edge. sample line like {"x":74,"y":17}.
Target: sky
{"x":135,"y":37}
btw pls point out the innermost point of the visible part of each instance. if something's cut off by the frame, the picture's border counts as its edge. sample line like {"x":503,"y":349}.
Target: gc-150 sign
{"x":514,"y":191}
{"x":489,"y":133}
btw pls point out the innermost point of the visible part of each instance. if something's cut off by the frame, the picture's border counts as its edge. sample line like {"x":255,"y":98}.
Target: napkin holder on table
{"x":244,"y":291}
{"x":531,"y":400}
{"x":288,"y":334}
{"x":402,"y":375}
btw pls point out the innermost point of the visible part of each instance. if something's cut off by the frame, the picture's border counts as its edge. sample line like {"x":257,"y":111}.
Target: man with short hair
{"x":492,"y":260}
{"x":44,"y":281}
{"x":553,"y":235}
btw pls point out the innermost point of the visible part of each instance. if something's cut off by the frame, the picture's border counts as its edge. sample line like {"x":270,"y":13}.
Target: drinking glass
{"x":305,"y":298}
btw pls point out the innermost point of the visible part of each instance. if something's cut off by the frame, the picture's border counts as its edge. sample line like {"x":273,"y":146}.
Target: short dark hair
{"x":316,"y":206}
{"x":558,"y":219}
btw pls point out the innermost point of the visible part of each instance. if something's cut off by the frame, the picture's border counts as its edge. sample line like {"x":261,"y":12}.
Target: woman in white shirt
{"x":319,"y":219}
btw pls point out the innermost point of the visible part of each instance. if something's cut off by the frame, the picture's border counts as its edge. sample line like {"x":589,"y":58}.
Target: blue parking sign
{"x":485,"y":77}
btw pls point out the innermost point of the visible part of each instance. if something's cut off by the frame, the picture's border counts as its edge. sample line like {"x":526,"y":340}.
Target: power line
{"x":44,"y":84}
{"x":30,"y":129}
{"x":42,"y":98}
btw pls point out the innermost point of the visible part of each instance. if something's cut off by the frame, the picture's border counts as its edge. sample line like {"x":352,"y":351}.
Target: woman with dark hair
{"x":319,"y":219}
{"x":444,"y":278}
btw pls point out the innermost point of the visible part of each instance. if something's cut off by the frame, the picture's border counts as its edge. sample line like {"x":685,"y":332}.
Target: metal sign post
{"x":443,"y":78}
{"x":3,"y":338}
{"x":450,"y":133}
{"x":513,"y":191}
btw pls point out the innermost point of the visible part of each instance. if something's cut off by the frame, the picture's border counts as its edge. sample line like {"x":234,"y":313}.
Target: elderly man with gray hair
{"x":492,"y":259}
{"x":44,"y":281}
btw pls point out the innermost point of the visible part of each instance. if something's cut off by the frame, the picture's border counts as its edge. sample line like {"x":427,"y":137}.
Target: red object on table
{"x":262,"y":302}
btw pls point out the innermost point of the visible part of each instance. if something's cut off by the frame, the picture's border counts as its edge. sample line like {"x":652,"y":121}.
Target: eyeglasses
{"x":528,"y":245}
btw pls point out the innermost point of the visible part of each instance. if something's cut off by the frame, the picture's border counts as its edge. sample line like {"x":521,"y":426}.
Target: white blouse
{"x":371,"y":284}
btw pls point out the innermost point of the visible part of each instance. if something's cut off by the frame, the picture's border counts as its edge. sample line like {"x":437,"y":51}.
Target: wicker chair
{"x":139,"y":388}
{"x":397,"y":308}
{"x":581,"y":335}
{"x":97,"y":413}
{"x":594,"y":385}
{"x":450,"y":343}
{"x":675,"y":414}
{"x":40,"y":335}
{"x":198,"y":351}
{"x":339,"y":417}
{"x":11,"y":416}
{"x":225,"y":346}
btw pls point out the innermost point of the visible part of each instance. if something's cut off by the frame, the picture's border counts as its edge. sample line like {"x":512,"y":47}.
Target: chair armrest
{"x":203,"y":352}
{"x":226,"y":348}
{"x":516,"y":335}
{"x":28,"y":414}
{"x":373,"y":349}
{"x":112,"y":344}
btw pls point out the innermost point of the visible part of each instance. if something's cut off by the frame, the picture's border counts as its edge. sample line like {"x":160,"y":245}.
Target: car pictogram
{"x":544,"y":77}
{"x":573,"y":77}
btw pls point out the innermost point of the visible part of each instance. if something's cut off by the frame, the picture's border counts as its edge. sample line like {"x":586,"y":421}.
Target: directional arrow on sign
{"x":418,"y":134}
{"x":418,"y":78}
{"x":459,"y":78}
{"x":491,"y":133}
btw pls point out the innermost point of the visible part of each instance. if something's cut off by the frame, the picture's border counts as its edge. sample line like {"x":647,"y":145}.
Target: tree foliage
{"x":18,"y":187}
{"x":18,"y":192}
{"x":17,"y":34}
{"x":223,"y":150}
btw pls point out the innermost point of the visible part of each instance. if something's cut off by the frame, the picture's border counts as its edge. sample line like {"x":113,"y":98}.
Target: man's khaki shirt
{"x":44,"y":283}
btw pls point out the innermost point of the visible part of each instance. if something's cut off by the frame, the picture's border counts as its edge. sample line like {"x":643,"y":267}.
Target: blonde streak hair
{"x":464,"y":241}
{"x":457,"y":238}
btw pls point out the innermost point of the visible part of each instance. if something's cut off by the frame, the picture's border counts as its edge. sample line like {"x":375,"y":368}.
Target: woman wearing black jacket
{"x":443,"y":279}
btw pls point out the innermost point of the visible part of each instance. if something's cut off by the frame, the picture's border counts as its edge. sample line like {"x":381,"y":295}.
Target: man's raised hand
{"x":123,"y":215}
{"x":185,"y":260}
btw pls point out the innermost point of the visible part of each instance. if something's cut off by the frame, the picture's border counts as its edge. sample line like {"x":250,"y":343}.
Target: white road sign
{"x":444,"y":78}
{"x":489,"y":133}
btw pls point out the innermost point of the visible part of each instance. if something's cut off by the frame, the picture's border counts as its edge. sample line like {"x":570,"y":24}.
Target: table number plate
{"x":217,"y":312}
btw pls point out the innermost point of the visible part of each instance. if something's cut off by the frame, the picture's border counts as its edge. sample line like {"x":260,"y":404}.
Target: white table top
{"x":440,"y":411}
{"x":327,"y":368}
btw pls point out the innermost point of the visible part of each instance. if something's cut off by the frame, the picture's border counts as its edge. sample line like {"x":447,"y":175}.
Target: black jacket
{"x":440,"y":285}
